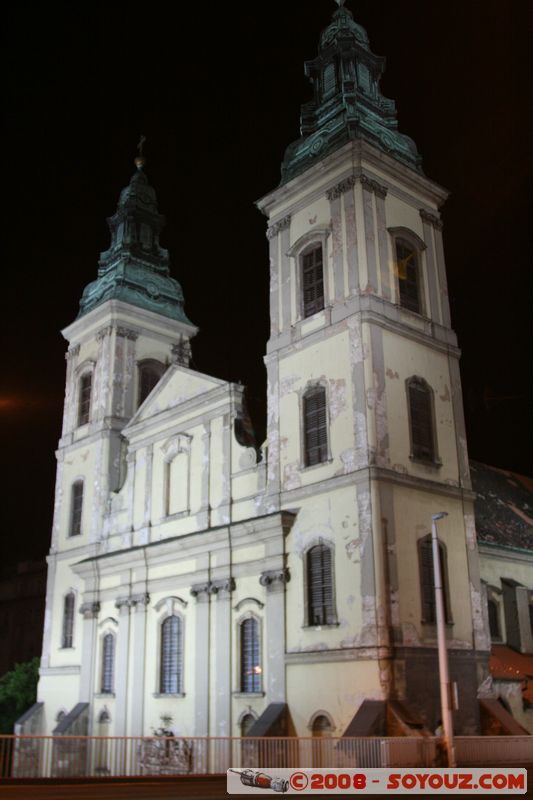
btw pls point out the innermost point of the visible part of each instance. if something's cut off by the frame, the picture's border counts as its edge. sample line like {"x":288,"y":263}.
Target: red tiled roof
{"x":507,"y":664}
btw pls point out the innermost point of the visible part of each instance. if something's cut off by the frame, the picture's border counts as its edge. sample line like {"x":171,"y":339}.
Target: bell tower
{"x":131,"y":326}
{"x":366,"y":434}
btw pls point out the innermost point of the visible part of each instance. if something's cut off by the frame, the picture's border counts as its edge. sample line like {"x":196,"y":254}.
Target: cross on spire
{"x":340,"y":3}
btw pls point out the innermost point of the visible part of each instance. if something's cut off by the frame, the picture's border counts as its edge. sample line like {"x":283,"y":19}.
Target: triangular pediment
{"x":177,"y":386}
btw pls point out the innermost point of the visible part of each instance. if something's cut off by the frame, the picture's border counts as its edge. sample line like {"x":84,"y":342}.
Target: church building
{"x":285,"y":588}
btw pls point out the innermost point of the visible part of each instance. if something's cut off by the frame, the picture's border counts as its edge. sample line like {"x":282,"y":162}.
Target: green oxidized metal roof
{"x":347,"y":103}
{"x":135,"y":268}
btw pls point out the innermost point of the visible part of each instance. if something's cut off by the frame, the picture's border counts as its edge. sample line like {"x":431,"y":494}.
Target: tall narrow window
{"x":108,"y":663}
{"x":68,"y":620}
{"x":315,"y":426}
{"x":171,"y":677}
{"x":320,"y":607}
{"x":76,"y":508}
{"x":427,"y":581}
{"x":494,"y":623}
{"x":420,"y":398}
{"x":84,"y":401}
{"x":150,"y":373}
{"x":312,"y":281}
{"x":408,"y":271}
{"x":250,"y":656}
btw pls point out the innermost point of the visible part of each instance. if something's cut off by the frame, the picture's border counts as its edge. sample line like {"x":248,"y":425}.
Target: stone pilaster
{"x":274,"y":581}
{"x":223,"y":655}
{"x":140,"y":605}
{"x":89,"y":612}
{"x":201,"y":660}
{"x":121,"y":665}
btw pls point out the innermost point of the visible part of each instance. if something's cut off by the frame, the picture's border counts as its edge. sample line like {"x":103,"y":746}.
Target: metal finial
{"x":140,"y":159}
{"x":340,"y":3}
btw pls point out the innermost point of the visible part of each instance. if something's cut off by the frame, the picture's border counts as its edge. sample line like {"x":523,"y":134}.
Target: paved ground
{"x":183,"y":789}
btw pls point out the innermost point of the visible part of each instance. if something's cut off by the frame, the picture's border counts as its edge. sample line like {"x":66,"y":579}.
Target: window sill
{"x":104,"y":695}
{"x":434,"y":463}
{"x":70,"y":647}
{"x":168,"y":694}
{"x":305,"y":468}
{"x":245,"y":695}
{"x":324,"y":626}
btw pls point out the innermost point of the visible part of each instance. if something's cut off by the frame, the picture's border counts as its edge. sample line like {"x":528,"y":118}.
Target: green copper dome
{"x":135,"y":269}
{"x":347,"y":103}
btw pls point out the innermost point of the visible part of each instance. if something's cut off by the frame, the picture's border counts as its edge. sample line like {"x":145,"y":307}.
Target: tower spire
{"x":135,"y":268}
{"x":347,"y":102}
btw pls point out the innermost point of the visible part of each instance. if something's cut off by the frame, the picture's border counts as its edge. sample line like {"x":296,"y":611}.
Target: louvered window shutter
{"x":315,"y":427}
{"x":421,"y":421}
{"x":84,"y":408}
{"x":312,"y":282}
{"x":108,"y":662}
{"x":408,"y":276}
{"x":171,"y":656}
{"x":320,"y":586}
{"x":250,"y":664}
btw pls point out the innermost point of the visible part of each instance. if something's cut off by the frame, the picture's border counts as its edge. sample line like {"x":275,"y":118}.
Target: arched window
{"x":251,"y":671}
{"x":84,"y":398}
{"x":108,"y":663}
{"x":315,"y":426}
{"x":171,"y":675}
{"x":312,"y":280}
{"x":68,"y":620}
{"x":321,"y":726}
{"x":76,"y":508}
{"x":427,"y":581}
{"x":150,"y":372}
{"x":494,"y":623}
{"x":421,"y":420}
{"x":247,"y":723}
{"x":408,"y":272}
{"x":320,"y":605}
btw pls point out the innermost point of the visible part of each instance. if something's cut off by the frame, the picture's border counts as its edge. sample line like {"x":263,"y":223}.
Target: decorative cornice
{"x":278,"y":226}
{"x":341,"y":188}
{"x":132,"y":601}
{"x":127,"y":333}
{"x":373,"y":186}
{"x":431,"y":219}
{"x":89,"y":610}
{"x":272,"y":578}
{"x":200,"y":589}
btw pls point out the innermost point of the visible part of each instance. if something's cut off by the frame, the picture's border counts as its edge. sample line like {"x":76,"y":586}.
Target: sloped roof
{"x":508,"y":665}
{"x":503,"y":507}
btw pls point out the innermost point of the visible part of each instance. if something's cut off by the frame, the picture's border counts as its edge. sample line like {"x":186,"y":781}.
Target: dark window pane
{"x":108,"y":660}
{"x":76,"y":508}
{"x":493,"y":620}
{"x":320,"y":586}
{"x":171,"y":656}
{"x":408,"y":276}
{"x":149,"y":376}
{"x":84,"y":408}
{"x":312,"y":282}
{"x":250,"y":663}
{"x":68,"y":620}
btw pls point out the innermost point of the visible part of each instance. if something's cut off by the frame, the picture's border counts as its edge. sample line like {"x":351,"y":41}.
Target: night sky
{"x":216,"y":89}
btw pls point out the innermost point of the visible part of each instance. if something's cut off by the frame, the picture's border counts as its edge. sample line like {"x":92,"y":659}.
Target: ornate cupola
{"x":135,"y":268}
{"x":347,"y":102}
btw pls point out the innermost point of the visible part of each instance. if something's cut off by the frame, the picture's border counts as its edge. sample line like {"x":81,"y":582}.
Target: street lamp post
{"x":445,"y":686}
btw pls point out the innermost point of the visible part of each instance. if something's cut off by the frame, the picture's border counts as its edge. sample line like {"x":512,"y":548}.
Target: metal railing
{"x":26,"y":757}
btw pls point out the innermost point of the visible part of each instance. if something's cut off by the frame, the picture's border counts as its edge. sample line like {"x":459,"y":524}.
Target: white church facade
{"x":234,"y":589}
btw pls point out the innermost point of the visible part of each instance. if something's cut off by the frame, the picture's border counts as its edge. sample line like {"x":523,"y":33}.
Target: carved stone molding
{"x":132,"y":601}
{"x":431,"y":219}
{"x":275,"y":579}
{"x":72,"y":352}
{"x":221,"y":587}
{"x":181,"y":353}
{"x":278,"y":226}
{"x":90,"y":610}
{"x":103,"y":332}
{"x":127,"y":333}
{"x":373,"y":186}
{"x":340,"y":188}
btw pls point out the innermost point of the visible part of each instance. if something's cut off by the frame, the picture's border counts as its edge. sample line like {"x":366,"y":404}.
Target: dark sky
{"x":216,"y":88}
